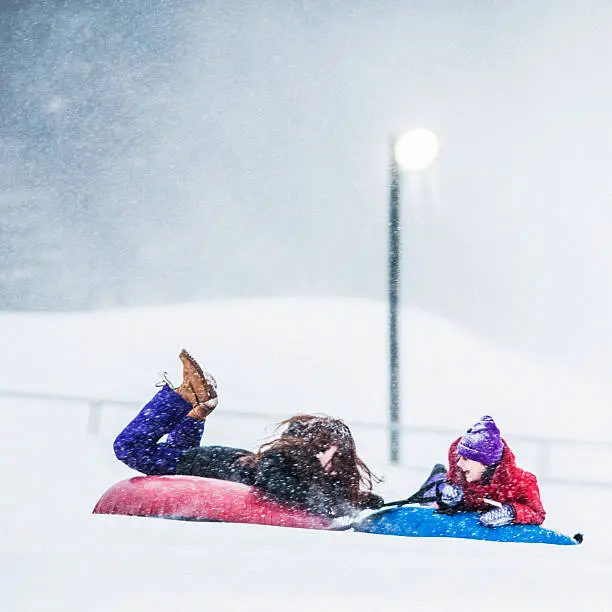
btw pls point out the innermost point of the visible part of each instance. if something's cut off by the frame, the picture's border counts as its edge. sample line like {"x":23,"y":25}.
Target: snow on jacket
{"x":509,"y":485}
{"x":279,"y":476}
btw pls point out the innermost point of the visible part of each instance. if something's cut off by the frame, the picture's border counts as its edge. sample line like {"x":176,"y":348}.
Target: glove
{"x":498,"y":517}
{"x":450,"y":494}
{"x":370,"y":501}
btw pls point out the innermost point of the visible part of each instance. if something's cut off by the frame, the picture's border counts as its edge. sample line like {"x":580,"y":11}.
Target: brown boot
{"x":199,"y":388}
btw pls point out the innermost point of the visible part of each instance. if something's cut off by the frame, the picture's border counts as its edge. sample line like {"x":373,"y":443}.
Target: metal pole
{"x":394,"y":270}
{"x":95,"y":416}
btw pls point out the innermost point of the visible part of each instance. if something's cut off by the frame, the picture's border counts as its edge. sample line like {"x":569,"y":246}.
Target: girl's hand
{"x":498,"y":517}
{"x":325,"y":458}
{"x":451,"y":495}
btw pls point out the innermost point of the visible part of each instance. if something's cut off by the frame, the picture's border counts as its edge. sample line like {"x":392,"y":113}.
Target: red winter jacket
{"x":509,"y":485}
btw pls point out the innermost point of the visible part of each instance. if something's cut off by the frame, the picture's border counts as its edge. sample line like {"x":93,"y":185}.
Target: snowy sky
{"x":257,"y":134}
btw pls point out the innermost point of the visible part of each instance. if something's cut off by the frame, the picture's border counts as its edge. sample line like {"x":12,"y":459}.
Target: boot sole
{"x":209,"y":389}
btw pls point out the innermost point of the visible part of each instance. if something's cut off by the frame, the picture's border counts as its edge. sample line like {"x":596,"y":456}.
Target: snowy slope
{"x":275,"y":356}
{"x":287,"y":355}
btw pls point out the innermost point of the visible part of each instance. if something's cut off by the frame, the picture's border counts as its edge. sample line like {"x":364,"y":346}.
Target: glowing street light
{"x":414,"y":151}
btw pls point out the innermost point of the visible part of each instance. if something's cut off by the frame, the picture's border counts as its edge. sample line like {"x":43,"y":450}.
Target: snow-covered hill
{"x":287,"y":355}
{"x":278,"y":357}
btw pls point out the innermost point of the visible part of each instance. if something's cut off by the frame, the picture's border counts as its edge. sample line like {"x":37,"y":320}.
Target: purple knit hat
{"x":482,"y":442}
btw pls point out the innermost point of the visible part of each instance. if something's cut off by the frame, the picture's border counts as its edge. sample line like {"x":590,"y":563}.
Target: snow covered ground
{"x":278,"y":357}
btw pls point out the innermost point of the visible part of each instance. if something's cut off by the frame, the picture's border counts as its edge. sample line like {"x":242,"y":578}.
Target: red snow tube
{"x":203,"y":499}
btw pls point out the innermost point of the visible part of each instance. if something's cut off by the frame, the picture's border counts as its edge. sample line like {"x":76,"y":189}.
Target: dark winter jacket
{"x":509,"y":484}
{"x":278,"y":475}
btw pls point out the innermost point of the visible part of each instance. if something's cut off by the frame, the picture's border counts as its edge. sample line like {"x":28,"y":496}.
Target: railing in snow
{"x":549,"y":454}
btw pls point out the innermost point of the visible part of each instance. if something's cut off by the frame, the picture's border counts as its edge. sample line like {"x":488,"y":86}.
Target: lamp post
{"x":413,"y":151}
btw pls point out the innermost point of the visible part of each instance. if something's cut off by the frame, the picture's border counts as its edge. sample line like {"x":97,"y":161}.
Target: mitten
{"x":370,"y":501}
{"x":498,"y":517}
{"x":450,"y":494}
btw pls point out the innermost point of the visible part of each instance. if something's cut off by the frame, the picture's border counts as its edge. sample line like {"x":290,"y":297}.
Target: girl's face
{"x":472,"y":470}
{"x":326,"y":458}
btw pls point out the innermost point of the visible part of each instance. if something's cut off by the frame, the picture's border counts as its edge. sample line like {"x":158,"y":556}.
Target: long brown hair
{"x":303,"y":436}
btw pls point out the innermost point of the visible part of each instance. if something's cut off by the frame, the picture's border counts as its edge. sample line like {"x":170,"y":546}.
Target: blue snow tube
{"x":424,"y":523}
